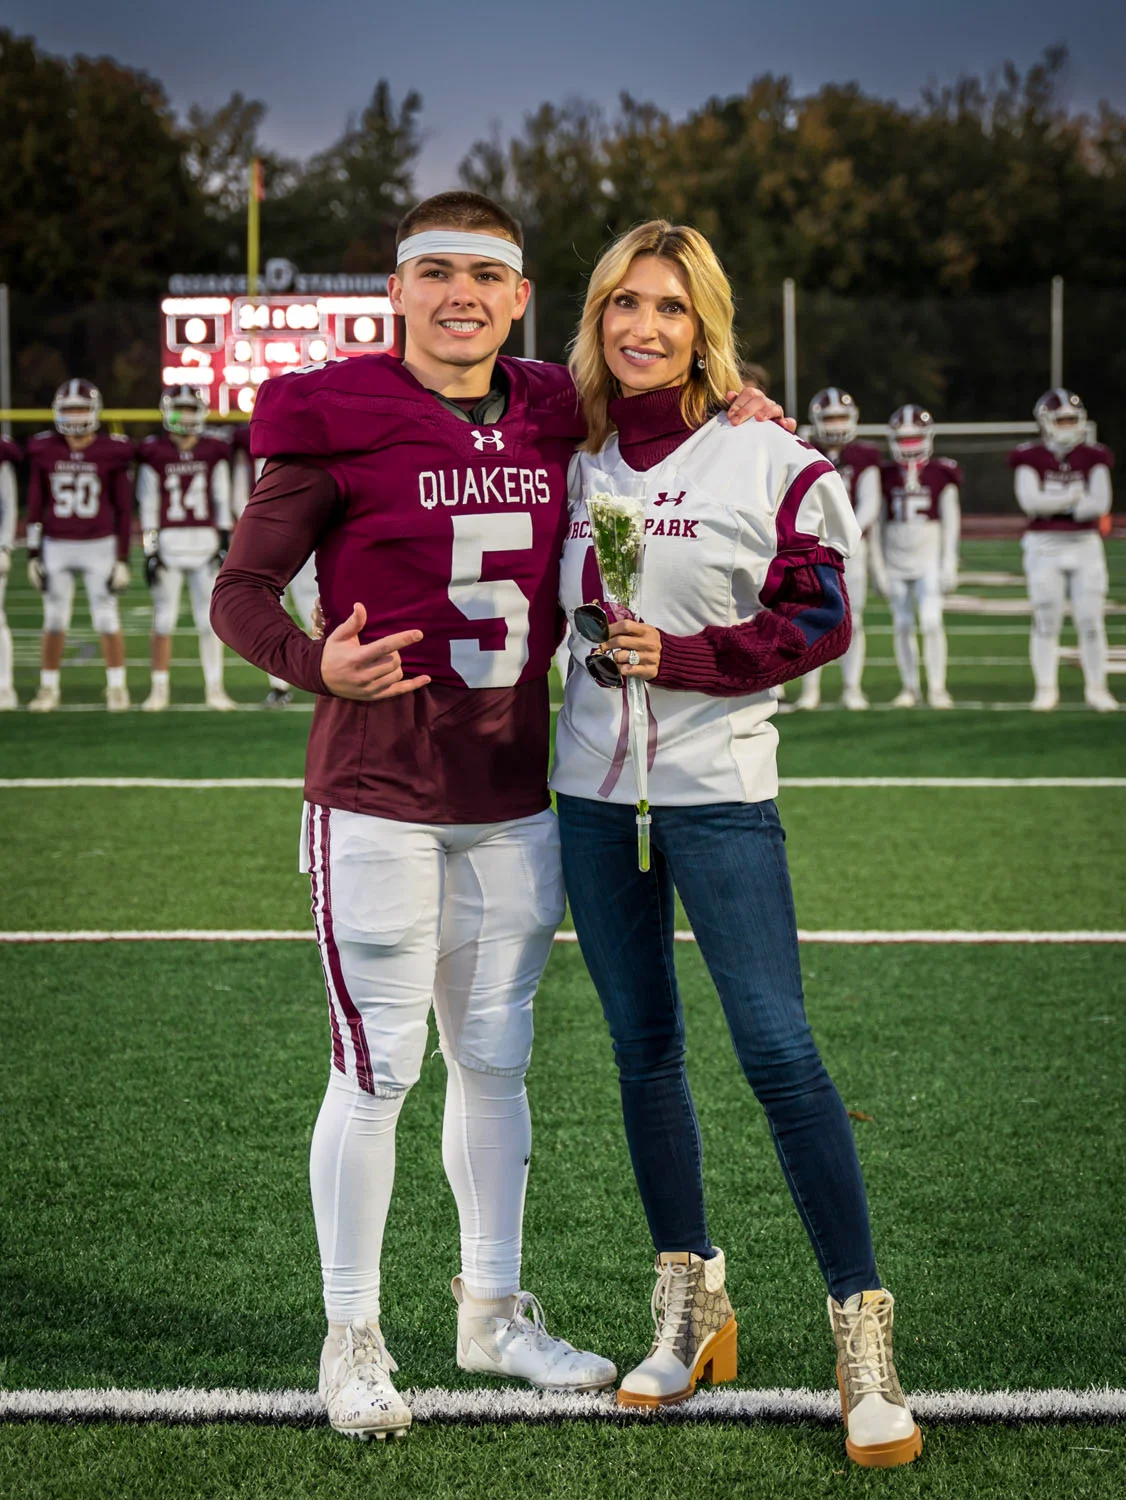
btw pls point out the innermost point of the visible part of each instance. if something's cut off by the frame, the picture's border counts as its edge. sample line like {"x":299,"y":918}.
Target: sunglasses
{"x":593,"y":624}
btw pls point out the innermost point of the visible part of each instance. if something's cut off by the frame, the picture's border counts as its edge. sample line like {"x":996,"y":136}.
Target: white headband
{"x":461,"y":242}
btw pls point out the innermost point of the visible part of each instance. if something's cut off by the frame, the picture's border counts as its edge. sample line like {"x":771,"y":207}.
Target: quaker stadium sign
{"x":279,"y":275}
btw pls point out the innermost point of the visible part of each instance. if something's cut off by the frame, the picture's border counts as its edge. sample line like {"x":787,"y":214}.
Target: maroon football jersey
{"x":1063,"y":468}
{"x":851,"y":461}
{"x":81,"y":496}
{"x":9,"y":451}
{"x":903,"y":504}
{"x":184,"y":479}
{"x":431,"y":523}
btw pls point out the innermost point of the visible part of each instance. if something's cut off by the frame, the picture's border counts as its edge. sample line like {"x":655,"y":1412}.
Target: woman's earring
{"x":701,"y":362}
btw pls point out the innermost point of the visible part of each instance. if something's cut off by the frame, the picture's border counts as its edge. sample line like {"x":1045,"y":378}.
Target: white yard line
{"x":805,"y":783}
{"x":861,"y":937}
{"x":305,"y":1408}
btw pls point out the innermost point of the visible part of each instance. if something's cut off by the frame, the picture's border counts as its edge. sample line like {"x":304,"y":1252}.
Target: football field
{"x":159,"y":1083}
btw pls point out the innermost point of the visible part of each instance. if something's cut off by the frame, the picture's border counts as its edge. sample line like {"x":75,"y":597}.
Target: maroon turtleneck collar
{"x":650,"y":427}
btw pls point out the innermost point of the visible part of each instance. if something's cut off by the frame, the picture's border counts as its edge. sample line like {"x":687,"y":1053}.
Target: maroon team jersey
{"x":902,"y":504}
{"x":432,"y":523}
{"x":9,"y":451}
{"x":1063,"y":468}
{"x":852,"y":460}
{"x":184,"y":479}
{"x":81,"y":496}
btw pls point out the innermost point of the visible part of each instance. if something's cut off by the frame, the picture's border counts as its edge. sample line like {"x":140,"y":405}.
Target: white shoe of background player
{"x":809,"y":698}
{"x":46,"y":700}
{"x":219,"y":699}
{"x":521,"y":1347}
{"x":355,"y":1384}
{"x":852,"y":698}
{"x":117,"y":699}
{"x":940,"y":698}
{"x":157,"y":700}
{"x":8,"y":700}
{"x":905,"y":699}
{"x":1101,"y":700}
{"x":1044,"y":700}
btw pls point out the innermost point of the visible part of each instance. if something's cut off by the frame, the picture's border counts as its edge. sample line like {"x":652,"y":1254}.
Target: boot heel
{"x":722,"y":1363}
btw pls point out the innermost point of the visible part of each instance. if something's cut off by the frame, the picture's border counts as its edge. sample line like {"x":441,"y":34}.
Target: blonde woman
{"x":747,"y":531}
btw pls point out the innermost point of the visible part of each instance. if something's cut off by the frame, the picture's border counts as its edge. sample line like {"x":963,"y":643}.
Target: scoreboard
{"x":227,"y":346}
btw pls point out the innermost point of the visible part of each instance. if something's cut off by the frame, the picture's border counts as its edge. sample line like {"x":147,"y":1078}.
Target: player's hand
{"x":5,"y":561}
{"x":632,"y":635}
{"x":36,"y":572}
{"x":153,"y":568}
{"x":223,"y":548}
{"x":317,"y":620}
{"x":750,"y":404}
{"x":879,"y":582}
{"x":948,"y":580}
{"x":367,"y":673}
{"x":118,"y":580}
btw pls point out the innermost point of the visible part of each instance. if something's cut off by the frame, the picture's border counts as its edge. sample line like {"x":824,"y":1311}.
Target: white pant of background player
{"x":852,"y":662}
{"x":63,"y":561}
{"x":918,"y":599}
{"x":189,"y":552}
{"x":1066,"y":567}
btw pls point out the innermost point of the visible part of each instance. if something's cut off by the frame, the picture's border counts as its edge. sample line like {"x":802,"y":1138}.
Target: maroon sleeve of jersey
{"x":807,"y":624}
{"x":123,"y":511}
{"x":35,"y":495}
{"x":287,"y":514}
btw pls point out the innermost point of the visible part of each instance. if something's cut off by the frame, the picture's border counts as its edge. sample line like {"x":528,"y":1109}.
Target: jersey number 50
{"x":76,"y":495}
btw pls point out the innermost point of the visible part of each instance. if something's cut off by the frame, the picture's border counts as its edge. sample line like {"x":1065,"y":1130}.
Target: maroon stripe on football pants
{"x":351,"y":1014}
{"x":315,"y":888}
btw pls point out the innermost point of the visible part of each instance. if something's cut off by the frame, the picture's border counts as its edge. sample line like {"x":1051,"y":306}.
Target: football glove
{"x":118,"y":580}
{"x":36,"y":572}
{"x":5,"y":561}
{"x":948,"y":580}
{"x":153,"y":568}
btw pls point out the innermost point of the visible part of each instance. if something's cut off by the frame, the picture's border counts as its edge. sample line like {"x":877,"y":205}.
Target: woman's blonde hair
{"x":705,"y":390}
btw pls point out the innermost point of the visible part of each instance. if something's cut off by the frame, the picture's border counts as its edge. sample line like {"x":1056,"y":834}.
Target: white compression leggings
{"x":486,"y":1144}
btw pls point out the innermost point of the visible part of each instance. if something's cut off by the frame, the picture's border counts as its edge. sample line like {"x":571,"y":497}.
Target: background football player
{"x":1063,"y":485}
{"x":920,"y":523}
{"x":301,"y":595}
{"x":79,"y":513}
{"x":9,"y":458}
{"x":184,"y":494}
{"x":834,"y":416}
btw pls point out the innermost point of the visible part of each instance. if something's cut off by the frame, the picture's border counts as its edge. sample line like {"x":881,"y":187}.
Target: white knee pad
{"x":58,"y":603}
{"x":1047,"y":619}
{"x":930,"y":616}
{"x":105,"y":615}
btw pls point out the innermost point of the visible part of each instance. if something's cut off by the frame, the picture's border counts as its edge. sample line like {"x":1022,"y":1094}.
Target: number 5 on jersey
{"x":496,"y":599}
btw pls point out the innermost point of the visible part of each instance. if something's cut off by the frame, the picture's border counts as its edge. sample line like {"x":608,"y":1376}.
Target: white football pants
{"x":1063,"y":567}
{"x":302,"y":595}
{"x":852,"y":662}
{"x":5,"y":641}
{"x":166,"y":612}
{"x":907,"y":598}
{"x":63,"y":561}
{"x":409,"y":916}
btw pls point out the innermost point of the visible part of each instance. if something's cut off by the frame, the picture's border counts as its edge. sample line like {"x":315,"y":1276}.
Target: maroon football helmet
{"x":834,"y":417}
{"x":77,"y":408}
{"x":911,"y":434}
{"x":1062,"y":418}
{"x":183,"y":410}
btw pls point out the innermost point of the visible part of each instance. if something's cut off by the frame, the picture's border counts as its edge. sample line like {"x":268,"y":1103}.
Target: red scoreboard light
{"x":227,"y":346}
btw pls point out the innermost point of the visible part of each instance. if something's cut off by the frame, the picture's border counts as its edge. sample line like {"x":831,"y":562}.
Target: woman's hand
{"x":750,"y":404}
{"x":632,"y":635}
{"x":367,"y":673}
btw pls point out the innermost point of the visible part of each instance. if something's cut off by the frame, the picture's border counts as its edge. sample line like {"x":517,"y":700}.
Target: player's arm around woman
{"x":746,"y":535}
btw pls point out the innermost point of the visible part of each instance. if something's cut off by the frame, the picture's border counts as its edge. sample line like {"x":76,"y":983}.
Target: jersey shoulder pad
{"x":213,"y":450}
{"x":549,"y":392}
{"x":1024,"y":454}
{"x":327,"y":409}
{"x":150,"y":447}
{"x":43,"y":447}
{"x":1101,"y":454}
{"x":862,"y":456}
{"x":10,"y":451}
{"x":948,"y":472}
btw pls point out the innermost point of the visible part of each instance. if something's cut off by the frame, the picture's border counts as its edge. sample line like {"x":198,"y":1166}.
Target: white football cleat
{"x":852,"y":698}
{"x":940,"y":698}
{"x":8,"y":700}
{"x":1101,"y":700}
{"x":521,"y":1348}
{"x":881,"y":1432}
{"x":809,"y":700}
{"x":1044,"y":700}
{"x":355,"y":1384}
{"x":219,"y":699}
{"x":905,"y":699}
{"x":696,"y":1334}
{"x":46,"y":700}
{"x":117,"y":699}
{"x":158,"y":699}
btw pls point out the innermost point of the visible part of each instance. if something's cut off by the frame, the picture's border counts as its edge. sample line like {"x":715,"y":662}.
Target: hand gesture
{"x":751,"y":404}
{"x":368,"y":673}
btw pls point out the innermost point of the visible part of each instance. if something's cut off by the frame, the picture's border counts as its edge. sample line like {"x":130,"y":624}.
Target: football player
{"x":79,"y":513}
{"x":834,"y":417}
{"x":301,"y":595}
{"x":920,"y":523}
{"x":9,"y":458}
{"x":1063,"y":486}
{"x":184,"y":495}
{"x":433,"y":488}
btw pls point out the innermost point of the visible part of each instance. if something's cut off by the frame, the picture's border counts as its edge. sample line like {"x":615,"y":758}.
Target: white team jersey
{"x":718,"y":511}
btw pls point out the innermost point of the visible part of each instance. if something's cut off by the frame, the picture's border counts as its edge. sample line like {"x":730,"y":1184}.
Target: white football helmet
{"x":1062,"y":418}
{"x":77,"y":408}
{"x":911,"y":434}
{"x":834,"y":417}
{"x":184,"y":410}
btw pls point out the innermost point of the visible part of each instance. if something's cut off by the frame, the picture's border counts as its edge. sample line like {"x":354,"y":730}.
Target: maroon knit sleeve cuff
{"x":687,"y":661}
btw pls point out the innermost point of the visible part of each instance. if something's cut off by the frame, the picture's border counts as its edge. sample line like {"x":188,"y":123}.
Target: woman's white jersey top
{"x":725,"y":514}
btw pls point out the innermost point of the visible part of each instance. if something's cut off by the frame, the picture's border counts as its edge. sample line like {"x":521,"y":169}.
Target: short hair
{"x":460,"y":210}
{"x":705,"y":390}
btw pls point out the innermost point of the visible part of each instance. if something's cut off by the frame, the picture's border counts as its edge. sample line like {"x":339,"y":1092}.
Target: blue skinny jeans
{"x":728,"y":862}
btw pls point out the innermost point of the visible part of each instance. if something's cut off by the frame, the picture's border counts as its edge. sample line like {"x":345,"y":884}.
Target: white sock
{"x":49,"y":679}
{"x":852,"y":662}
{"x":5,"y":658}
{"x":159,"y":679}
{"x":811,"y":686}
{"x":115,"y":677}
{"x":934,"y":654}
{"x":211,"y":658}
{"x":907,"y":656}
{"x":1093,"y":653}
{"x":1044,"y":654}
{"x":351,"y":1173}
{"x":486,"y":1146}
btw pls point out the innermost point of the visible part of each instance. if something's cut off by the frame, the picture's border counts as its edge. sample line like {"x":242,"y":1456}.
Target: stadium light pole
{"x":790,"y":345}
{"x":1057,"y":333}
{"x":253,"y":198}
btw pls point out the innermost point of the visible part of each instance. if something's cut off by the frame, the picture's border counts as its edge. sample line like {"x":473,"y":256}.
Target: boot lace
{"x":529,"y":1318}
{"x":867,"y":1356}
{"x":670,"y":1305}
{"x":366,"y":1353}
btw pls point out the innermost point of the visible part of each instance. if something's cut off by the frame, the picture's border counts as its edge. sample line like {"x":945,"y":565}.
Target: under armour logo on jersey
{"x":664,"y":499}
{"x":481,"y":438}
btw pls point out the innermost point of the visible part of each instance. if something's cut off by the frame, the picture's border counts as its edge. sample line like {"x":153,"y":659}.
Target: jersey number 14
{"x":181,"y":502}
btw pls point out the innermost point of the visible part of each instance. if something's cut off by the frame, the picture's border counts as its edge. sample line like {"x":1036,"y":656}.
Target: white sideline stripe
{"x":804,"y":783}
{"x":1097,"y":1404}
{"x":296,"y":935}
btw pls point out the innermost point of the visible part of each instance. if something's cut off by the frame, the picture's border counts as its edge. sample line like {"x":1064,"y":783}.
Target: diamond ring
{"x":633,"y":659}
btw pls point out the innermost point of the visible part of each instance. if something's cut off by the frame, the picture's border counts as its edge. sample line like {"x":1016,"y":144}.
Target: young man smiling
{"x":433,"y":491}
